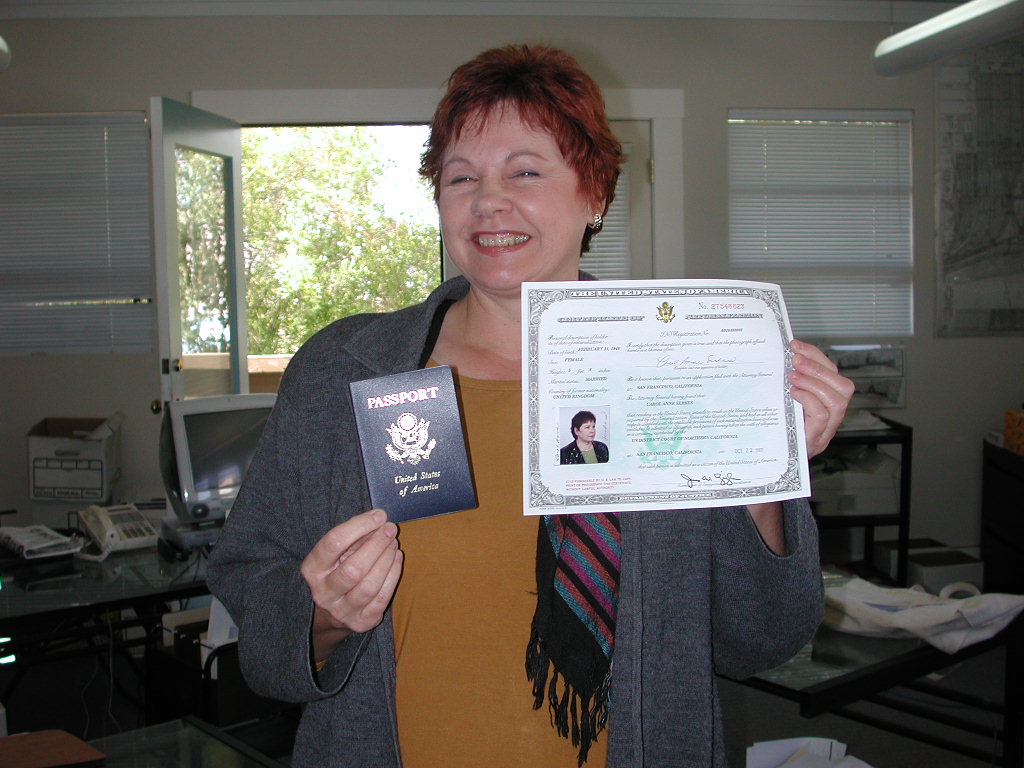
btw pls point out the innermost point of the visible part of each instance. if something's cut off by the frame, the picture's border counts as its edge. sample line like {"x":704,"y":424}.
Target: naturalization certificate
{"x":658,"y":394}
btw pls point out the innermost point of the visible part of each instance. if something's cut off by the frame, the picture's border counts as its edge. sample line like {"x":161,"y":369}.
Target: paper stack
{"x":806,"y":752}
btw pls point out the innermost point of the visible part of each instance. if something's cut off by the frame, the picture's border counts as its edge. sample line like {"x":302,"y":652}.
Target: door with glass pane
{"x":197,"y":227}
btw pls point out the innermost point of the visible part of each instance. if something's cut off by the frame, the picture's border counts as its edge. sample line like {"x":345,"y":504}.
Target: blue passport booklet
{"x":413,"y":446}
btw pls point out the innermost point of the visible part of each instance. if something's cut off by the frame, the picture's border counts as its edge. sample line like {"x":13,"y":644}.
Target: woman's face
{"x":510,"y":206}
{"x":587,"y":431}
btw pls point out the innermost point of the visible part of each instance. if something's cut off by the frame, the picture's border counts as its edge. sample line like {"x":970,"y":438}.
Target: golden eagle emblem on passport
{"x":410,"y":440}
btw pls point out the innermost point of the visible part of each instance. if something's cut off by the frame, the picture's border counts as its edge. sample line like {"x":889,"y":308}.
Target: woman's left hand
{"x":822,"y":391}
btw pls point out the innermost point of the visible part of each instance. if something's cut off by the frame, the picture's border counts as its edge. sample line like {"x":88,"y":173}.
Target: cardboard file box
{"x":76,"y":459}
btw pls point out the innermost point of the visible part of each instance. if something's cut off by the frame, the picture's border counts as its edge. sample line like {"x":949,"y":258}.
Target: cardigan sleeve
{"x":765,"y":607}
{"x":300,"y":483}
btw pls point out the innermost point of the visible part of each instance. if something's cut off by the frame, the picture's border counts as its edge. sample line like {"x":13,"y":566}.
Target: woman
{"x":584,"y":449}
{"x":414,"y":654}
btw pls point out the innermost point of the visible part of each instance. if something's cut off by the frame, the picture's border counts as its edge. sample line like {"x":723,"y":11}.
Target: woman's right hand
{"x":352,"y":573}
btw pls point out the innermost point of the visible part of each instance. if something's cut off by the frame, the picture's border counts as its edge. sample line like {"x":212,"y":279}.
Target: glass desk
{"x":49,"y":606}
{"x":185,"y":743}
{"x":55,"y":588}
{"x":838,"y":669}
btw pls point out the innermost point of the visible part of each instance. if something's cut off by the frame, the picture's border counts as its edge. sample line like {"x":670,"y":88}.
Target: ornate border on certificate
{"x":634,"y":310}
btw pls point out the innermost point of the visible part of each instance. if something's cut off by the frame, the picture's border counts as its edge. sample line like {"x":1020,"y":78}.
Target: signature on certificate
{"x":719,"y":478}
{"x":680,"y":363}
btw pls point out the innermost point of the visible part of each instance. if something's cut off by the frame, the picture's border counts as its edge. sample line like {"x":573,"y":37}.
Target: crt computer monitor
{"x":206,"y":446}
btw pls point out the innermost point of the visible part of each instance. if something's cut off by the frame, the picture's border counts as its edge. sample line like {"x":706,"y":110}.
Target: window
{"x":650,"y":120}
{"x":337,"y":222}
{"x":75,"y":256}
{"x":645,"y":120}
{"x":820,"y":203}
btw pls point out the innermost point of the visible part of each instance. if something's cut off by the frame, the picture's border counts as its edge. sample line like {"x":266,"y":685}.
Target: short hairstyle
{"x":580,"y":419}
{"x":552,"y":93}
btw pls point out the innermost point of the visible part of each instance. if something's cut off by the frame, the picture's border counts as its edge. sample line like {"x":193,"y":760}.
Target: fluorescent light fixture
{"x":971,"y":25}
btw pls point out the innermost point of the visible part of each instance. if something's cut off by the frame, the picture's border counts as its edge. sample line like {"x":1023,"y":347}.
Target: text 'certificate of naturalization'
{"x":658,"y":394}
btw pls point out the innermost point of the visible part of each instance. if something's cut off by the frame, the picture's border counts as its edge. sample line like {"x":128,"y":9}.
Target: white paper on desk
{"x":807,"y":760}
{"x":688,"y":383}
{"x":774,"y":754}
{"x":221,"y":630}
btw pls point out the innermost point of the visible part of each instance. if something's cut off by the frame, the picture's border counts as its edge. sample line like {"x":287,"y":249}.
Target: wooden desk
{"x":47,"y":749}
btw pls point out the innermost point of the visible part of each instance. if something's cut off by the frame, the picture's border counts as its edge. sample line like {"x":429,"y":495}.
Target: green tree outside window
{"x":325,"y":234}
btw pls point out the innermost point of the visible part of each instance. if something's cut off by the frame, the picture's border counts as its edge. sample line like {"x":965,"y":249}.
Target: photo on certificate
{"x":587,"y":430}
{"x":648,"y":394}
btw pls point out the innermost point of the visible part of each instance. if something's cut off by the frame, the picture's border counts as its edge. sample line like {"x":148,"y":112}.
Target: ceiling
{"x":893,"y":11}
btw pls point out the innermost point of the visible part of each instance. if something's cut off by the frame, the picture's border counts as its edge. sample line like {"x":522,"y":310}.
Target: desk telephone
{"x":117,"y":528}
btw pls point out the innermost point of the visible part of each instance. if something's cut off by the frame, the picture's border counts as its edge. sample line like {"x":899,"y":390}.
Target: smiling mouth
{"x":502,"y":240}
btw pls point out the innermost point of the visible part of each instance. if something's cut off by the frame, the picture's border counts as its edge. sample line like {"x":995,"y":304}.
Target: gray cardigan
{"x":700,"y":593}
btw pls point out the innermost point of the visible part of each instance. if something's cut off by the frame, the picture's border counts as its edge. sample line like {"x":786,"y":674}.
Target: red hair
{"x":551,"y":93}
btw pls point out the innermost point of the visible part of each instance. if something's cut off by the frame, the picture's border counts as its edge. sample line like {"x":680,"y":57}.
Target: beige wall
{"x":956,"y":390}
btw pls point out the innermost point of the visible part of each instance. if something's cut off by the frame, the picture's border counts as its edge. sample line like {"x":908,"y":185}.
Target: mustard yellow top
{"x":463,"y":609}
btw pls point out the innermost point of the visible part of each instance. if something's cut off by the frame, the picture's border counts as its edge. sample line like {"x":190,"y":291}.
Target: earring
{"x":598,"y":221}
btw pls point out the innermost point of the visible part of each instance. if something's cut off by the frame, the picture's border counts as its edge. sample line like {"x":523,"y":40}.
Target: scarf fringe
{"x":574,"y":715}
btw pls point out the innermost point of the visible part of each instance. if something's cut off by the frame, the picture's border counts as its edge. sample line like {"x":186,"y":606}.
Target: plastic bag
{"x":944,"y":620}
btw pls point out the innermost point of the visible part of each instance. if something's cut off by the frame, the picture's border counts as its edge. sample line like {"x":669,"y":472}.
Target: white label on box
{"x":67,"y":478}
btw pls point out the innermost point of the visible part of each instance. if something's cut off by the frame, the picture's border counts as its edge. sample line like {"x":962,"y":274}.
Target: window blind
{"x":609,"y":257}
{"x":820,"y":203}
{"x":75,"y":256}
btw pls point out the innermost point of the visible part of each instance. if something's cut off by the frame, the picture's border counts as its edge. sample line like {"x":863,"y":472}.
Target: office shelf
{"x":895,"y":434}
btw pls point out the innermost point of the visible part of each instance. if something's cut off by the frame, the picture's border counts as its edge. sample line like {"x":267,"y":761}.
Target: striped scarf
{"x":573,"y":628}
